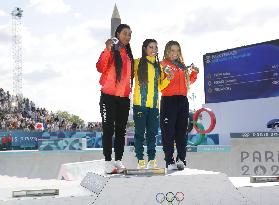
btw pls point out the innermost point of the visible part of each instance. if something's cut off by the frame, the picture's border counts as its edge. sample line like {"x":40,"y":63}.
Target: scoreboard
{"x":248,"y":72}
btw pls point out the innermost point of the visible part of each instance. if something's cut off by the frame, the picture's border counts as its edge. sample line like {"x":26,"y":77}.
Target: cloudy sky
{"x":62,"y":40}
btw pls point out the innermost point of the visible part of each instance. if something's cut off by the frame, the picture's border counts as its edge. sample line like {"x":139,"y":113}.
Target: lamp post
{"x":193,"y":97}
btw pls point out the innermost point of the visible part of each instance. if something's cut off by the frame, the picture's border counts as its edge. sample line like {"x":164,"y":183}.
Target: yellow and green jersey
{"x":148,"y":96}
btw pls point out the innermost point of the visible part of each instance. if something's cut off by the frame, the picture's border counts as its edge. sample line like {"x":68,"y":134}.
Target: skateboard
{"x":263,"y":179}
{"x":154,"y":171}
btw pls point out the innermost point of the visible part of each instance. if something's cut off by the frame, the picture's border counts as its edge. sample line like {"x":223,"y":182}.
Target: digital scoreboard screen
{"x":248,"y":72}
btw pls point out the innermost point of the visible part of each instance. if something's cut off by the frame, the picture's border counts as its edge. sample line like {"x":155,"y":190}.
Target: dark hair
{"x":117,"y":56}
{"x":143,"y":68}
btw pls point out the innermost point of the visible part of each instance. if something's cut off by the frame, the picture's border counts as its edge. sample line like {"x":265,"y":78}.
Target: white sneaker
{"x":180,"y":165}
{"x":110,"y":167}
{"x":119,"y":165}
{"x":152,"y":164}
{"x":172,"y":166}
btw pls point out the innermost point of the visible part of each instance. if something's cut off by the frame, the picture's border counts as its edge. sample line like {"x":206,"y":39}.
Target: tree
{"x":70,"y":117}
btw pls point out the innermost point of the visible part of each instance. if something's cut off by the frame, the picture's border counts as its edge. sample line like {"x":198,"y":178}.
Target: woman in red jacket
{"x":116,"y":66}
{"x":174,"y":109}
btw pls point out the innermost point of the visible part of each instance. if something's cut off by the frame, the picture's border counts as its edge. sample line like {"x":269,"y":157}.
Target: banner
{"x":60,"y":144}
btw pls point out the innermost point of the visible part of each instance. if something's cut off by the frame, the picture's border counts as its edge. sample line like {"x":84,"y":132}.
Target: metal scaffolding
{"x":17,"y":51}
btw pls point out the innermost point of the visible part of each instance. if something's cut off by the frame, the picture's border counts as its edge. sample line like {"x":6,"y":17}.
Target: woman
{"x":174,"y":109}
{"x":116,"y":66}
{"x":148,"y":82}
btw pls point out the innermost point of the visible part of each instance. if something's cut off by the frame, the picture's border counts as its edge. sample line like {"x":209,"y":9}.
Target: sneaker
{"x":152,"y":164}
{"x":172,"y":166}
{"x":110,"y":167}
{"x":180,"y":164}
{"x":119,"y":165}
{"x":141,"y":164}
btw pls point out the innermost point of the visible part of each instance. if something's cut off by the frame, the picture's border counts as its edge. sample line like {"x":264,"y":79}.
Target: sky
{"x":62,"y":41}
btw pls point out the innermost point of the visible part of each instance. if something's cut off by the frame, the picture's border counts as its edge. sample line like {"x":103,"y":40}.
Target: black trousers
{"x":174,"y":113}
{"x":114,"y":111}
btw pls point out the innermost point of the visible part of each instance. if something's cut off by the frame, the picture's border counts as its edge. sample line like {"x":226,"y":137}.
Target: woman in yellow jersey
{"x":149,"y":80}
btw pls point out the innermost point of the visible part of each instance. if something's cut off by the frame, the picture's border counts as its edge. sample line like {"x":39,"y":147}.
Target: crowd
{"x":22,"y":114}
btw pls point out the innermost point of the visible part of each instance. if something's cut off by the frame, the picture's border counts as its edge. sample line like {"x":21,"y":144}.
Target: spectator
{"x":22,"y":113}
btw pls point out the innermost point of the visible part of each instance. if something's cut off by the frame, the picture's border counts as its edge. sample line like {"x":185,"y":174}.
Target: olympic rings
{"x":179,"y":196}
{"x":212,"y":120}
{"x":160,"y":197}
{"x":169,"y":197}
{"x":202,"y":136}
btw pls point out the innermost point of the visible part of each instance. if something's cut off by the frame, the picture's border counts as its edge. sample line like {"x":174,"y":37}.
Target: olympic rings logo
{"x":170,"y":198}
{"x":200,"y":128}
{"x":245,"y":135}
{"x":212,"y":121}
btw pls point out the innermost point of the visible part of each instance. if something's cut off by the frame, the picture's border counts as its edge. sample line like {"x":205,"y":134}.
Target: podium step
{"x":197,"y":186}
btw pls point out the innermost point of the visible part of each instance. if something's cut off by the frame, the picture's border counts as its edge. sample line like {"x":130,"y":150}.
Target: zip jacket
{"x":147,"y":96}
{"x":179,"y":85}
{"x":106,"y":67}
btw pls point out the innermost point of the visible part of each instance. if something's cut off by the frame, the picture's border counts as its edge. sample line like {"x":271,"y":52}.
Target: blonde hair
{"x":167,"y":53}
{"x":167,"y":50}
